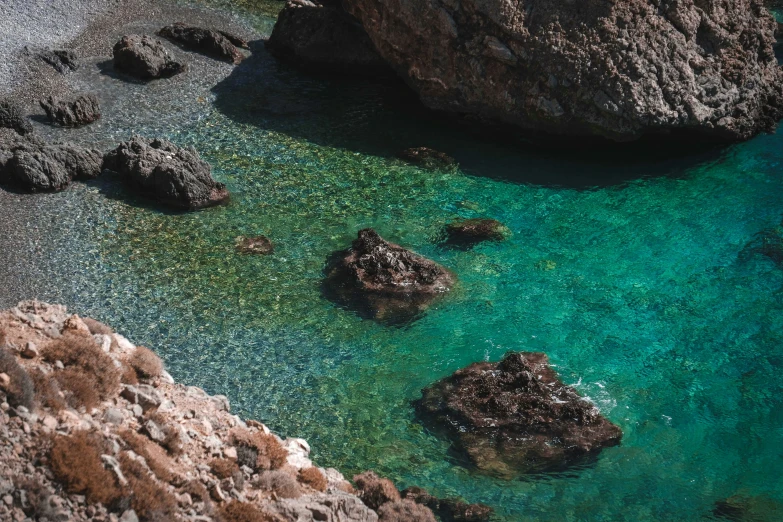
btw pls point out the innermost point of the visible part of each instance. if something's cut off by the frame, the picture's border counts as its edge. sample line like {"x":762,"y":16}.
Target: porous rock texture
{"x":212,"y":43}
{"x":515,"y":416}
{"x":148,"y":448}
{"x":320,"y":35}
{"x":12,"y":117}
{"x":71,"y":113}
{"x":387,"y":280}
{"x":29,"y":163}
{"x":144,"y":57}
{"x":173,"y":175}
{"x":617,"y":69}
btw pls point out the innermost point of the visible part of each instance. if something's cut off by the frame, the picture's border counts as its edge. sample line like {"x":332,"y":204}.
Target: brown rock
{"x":260,"y":245}
{"x":212,"y":43}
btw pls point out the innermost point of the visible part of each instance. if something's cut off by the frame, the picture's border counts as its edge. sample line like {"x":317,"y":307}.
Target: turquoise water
{"x":631,"y":267}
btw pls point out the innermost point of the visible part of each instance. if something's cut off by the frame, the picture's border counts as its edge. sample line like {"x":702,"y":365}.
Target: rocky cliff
{"x":612,"y":68}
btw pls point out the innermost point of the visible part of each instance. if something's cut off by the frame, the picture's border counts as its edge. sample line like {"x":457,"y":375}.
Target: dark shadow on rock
{"x":383,"y":117}
{"x":107,"y":68}
{"x":112,"y":186}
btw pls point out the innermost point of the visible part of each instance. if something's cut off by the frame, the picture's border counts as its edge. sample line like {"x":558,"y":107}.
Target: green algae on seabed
{"x":642,"y":290}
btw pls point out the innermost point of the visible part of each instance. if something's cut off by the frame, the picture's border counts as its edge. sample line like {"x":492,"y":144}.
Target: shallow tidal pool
{"x":634,"y":268}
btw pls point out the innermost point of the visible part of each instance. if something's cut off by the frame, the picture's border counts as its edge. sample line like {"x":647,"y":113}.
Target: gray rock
{"x":70,"y":113}
{"x":142,"y":394}
{"x":36,"y":167}
{"x":129,"y":516}
{"x":144,"y":57}
{"x":335,"y":506}
{"x":175,"y":176}
{"x":12,"y":117}
{"x":63,"y":60}
{"x":154,"y":431}
{"x":113,"y":416}
{"x":585,"y":68}
{"x":216,"y":44}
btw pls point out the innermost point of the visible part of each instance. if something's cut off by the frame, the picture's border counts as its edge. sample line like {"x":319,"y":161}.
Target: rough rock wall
{"x":615,"y":68}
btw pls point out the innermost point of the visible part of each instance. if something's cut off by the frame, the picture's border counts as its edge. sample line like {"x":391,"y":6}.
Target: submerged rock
{"x":33,"y":165}
{"x":12,"y":117}
{"x":428,"y":158}
{"x":449,"y":509}
{"x":588,"y":68}
{"x":748,"y":508}
{"x":144,"y":57}
{"x":469,"y":232}
{"x":383,"y":280}
{"x":81,"y":111}
{"x":515,"y":416}
{"x":261,"y":245}
{"x":173,"y":175}
{"x":216,"y":44}
{"x":61,"y":59}
{"x":320,"y":35}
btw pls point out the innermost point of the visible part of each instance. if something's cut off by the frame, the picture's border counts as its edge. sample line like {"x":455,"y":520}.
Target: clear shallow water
{"x":629,"y":267}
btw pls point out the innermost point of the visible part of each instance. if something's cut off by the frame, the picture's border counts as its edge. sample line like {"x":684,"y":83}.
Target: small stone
{"x":75,"y":325}
{"x":30,"y":350}
{"x":154,"y":431}
{"x":59,"y":365}
{"x":216,"y":493}
{"x":142,"y":394}
{"x":113,"y":416}
{"x":50,"y":422}
{"x":230,"y":453}
{"x":129,"y":516}
{"x":137,"y":410}
{"x":113,"y":465}
{"x":9,"y":500}
{"x":184,"y":500}
{"x":5,"y":381}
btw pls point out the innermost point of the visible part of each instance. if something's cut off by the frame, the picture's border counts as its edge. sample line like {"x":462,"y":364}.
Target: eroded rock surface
{"x":12,"y":117}
{"x":144,"y":57}
{"x":385,"y":280}
{"x":173,"y":175}
{"x":592,"y":67}
{"x":320,"y":35}
{"x":63,"y":60}
{"x":515,"y":416}
{"x":70,"y":113}
{"x":216,"y":44}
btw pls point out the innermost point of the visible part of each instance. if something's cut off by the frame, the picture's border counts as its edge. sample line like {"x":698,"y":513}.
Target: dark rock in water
{"x":383,"y":280}
{"x":175,"y":176}
{"x":428,"y":158}
{"x":144,"y":57}
{"x":320,"y":35}
{"x":63,"y":60}
{"x":769,"y":243}
{"x":70,"y":113}
{"x":469,"y":232}
{"x":515,"y":416}
{"x":12,"y":117}
{"x":449,"y":509}
{"x":261,"y":245}
{"x":205,"y":41}
{"x":748,"y":508}
{"x":615,"y":69}
{"x":33,"y":165}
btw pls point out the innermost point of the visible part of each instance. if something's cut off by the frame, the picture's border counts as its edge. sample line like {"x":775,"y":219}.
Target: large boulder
{"x":216,"y":44}
{"x":320,"y":35}
{"x":12,"y":117}
{"x":70,"y":113}
{"x":383,"y":280}
{"x":33,"y":165}
{"x":144,"y":57}
{"x":588,"y":67}
{"x":173,"y":175}
{"x":515,"y":416}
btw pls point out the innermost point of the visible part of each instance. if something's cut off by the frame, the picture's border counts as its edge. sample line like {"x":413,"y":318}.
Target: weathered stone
{"x":374,"y":490}
{"x":332,"y":507}
{"x":153,"y":431}
{"x":205,"y":41}
{"x":12,"y":117}
{"x":175,"y":176}
{"x":63,"y":60}
{"x":320,"y":35}
{"x":70,"y":113}
{"x":144,"y":57}
{"x":449,"y":509}
{"x":405,"y":510}
{"x":515,"y":416}
{"x":40,"y":168}
{"x":75,"y":325}
{"x":142,"y":394}
{"x":588,"y":68}
{"x":30,"y":350}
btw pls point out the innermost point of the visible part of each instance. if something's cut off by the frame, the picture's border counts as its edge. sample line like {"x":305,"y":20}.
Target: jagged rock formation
{"x":175,"y":176}
{"x":93,"y":428}
{"x":216,"y":44}
{"x":63,"y":60}
{"x":12,"y":117}
{"x":29,"y":163}
{"x":385,"y":280}
{"x":144,"y":57}
{"x":587,"y":68}
{"x":320,"y":35}
{"x":70,"y":113}
{"x":515,"y":416}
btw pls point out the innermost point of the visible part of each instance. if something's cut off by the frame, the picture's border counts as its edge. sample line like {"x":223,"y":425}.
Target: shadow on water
{"x":383,"y":117}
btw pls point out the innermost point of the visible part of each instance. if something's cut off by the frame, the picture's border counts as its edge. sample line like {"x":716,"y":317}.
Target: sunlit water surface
{"x":630,"y":268}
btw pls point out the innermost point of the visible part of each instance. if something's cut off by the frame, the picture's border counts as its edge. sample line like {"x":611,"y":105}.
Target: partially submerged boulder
{"x":383,"y":280}
{"x":469,"y":232}
{"x":144,"y":57}
{"x":12,"y":117}
{"x":173,"y":175}
{"x":259,"y":245}
{"x":449,"y":509}
{"x":515,"y":416}
{"x":320,"y":35}
{"x":216,"y":44}
{"x":428,"y":158}
{"x":587,"y":68}
{"x":70,"y":113}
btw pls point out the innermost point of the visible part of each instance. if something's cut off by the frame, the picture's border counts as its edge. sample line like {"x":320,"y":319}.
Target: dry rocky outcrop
{"x":93,"y":428}
{"x":588,"y":68}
